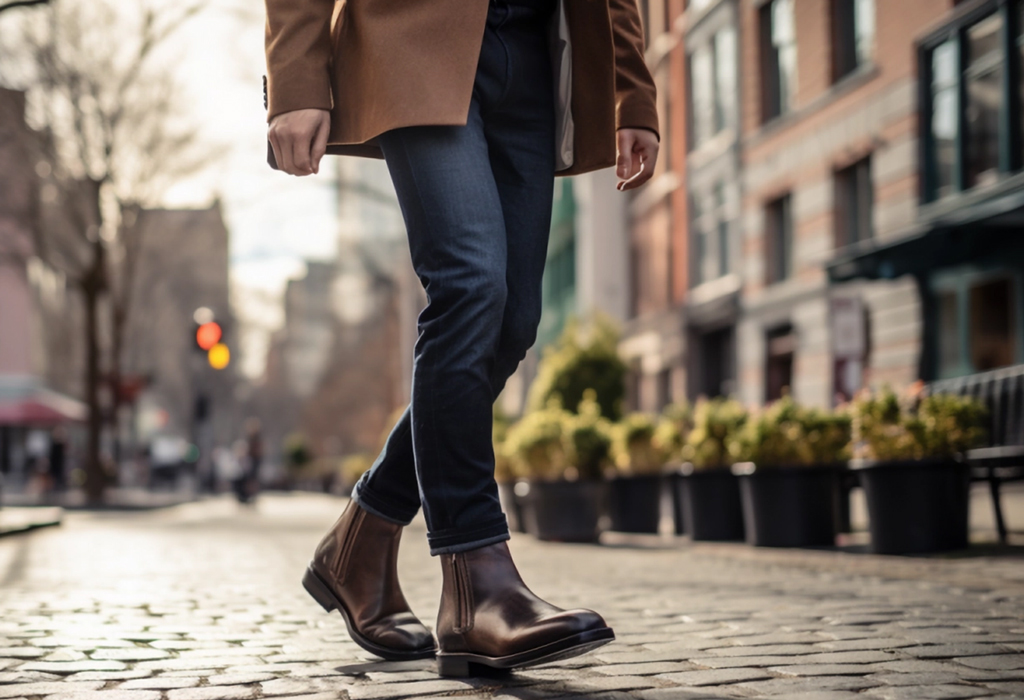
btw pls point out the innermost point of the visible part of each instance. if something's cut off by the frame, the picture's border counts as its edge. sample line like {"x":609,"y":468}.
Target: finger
{"x":320,"y":143}
{"x":639,"y":178}
{"x":302,"y":146}
{"x":284,"y":148}
{"x":278,"y":158}
{"x":626,"y":141}
{"x":644,"y":171}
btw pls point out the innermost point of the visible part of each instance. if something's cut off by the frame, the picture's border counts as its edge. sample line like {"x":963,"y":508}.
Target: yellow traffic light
{"x":219,"y":356}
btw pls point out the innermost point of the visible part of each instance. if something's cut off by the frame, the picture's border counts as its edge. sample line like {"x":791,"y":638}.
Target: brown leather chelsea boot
{"x":489,"y":617}
{"x":355,"y":571}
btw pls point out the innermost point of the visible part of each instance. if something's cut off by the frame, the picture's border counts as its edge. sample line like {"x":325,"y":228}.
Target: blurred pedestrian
{"x":474,"y":106}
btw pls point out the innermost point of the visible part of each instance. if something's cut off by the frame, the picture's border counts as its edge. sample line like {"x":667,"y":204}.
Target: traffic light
{"x":207,"y":335}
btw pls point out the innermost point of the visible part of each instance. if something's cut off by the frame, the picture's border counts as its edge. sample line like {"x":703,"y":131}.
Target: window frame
{"x":843,"y":178}
{"x":1011,"y":129}
{"x":959,"y":281}
{"x":774,"y":102}
{"x":843,"y":14}
{"x":779,"y":240}
{"x":722,"y":110}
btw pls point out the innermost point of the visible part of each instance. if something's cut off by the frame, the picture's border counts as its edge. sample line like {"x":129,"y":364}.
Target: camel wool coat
{"x":379,"y":65}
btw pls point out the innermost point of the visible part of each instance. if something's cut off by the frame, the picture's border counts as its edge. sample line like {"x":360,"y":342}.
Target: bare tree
{"x":111,"y":139}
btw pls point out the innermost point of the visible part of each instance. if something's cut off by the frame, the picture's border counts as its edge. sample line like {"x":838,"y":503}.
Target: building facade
{"x":838,"y":199}
{"x":964,"y":248}
{"x":654,"y":334}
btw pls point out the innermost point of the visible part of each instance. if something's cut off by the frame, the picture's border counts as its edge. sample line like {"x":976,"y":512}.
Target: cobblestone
{"x":202,"y":602}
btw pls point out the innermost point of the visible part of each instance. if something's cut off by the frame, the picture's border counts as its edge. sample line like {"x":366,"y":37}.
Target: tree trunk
{"x":92,"y":289}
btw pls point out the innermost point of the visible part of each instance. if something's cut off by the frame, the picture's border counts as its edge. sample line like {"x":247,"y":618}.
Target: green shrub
{"x":574,"y":364}
{"x":715,"y":425}
{"x":951,"y":425}
{"x":535,"y":445}
{"x":882,"y":427}
{"x":672,"y":430}
{"x":787,"y":434}
{"x":939,"y":426}
{"x":589,"y":440}
{"x":828,"y":435}
{"x":635,"y":449}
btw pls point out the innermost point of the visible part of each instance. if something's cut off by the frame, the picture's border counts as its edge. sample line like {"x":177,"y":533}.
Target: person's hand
{"x":299,"y":140}
{"x":638,"y":154}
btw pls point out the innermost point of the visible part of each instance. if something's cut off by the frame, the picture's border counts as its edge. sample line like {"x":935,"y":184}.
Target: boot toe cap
{"x":403,"y":633}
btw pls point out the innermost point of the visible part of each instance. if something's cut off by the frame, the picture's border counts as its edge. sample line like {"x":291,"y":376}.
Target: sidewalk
{"x":115,"y":499}
{"x":202,"y":602}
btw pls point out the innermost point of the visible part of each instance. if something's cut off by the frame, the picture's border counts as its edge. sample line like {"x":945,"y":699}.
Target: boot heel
{"x":452,"y":667}
{"x":315,"y":587}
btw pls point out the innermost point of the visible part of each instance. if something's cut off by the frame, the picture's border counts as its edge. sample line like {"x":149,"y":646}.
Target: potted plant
{"x":708,"y":490}
{"x":564,"y":456}
{"x":670,"y":437}
{"x":634,"y":492}
{"x":789,"y":479}
{"x":916,"y":482}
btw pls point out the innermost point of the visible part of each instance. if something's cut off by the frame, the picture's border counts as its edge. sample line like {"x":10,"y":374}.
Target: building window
{"x":781,"y":347}
{"x":779,"y":240}
{"x":713,"y":86}
{"x":853,"y":35}
{"x":977,"y":316}
{"x":778,"y":58}
{"x":983,"y":91}
{"x":972,"y":75}
{"x":664,"y":388}
{"x":854,"y":204}
{"x":945,"y":101}
{"x":714,"y":373}
{"x":710,"y":258}
{"x":724,"y":45}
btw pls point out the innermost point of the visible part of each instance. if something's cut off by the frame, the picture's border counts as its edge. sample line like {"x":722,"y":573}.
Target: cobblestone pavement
{"x":203,"y":602}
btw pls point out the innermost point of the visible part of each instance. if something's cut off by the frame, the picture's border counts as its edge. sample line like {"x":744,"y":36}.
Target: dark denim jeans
{"x":477,"y":206}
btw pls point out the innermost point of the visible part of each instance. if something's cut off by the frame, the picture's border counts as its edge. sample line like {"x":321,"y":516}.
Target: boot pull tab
{"x":463,"y":594}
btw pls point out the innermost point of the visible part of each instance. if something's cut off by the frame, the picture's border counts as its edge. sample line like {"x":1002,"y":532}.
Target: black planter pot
{"x":510,"y":504}
{"x":634,"y":503}
{"x":564,"y":511}
{"x":675,"y":482}
{"x":916,"y":506}
{"x":789,"y":506}
{"x":711,"y":504}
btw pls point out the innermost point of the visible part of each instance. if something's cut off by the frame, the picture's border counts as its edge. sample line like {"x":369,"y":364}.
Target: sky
{"x":276,"y":221}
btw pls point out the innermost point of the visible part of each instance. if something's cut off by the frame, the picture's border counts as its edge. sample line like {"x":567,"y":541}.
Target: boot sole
{"x":322,"y":594}
{"x":461,"y":665}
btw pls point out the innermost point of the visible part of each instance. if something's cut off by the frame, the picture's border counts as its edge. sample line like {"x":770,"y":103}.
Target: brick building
{"x":838,"y":199}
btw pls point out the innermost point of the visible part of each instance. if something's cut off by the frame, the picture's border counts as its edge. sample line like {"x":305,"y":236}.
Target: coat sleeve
{"x":635,"y":94}
{"x":298,"y":44}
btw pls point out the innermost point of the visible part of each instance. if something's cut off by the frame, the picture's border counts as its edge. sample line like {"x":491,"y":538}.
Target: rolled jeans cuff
{"x":371,"y":503}
{"x":451,"y":541}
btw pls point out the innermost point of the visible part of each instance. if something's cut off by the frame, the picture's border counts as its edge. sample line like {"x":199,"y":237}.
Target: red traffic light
{"x":208,"y":335}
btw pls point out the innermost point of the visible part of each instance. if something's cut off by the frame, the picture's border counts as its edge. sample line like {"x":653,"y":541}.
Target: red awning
{"x":24,"y":402}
